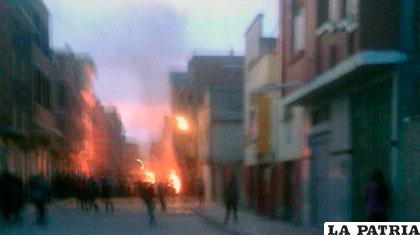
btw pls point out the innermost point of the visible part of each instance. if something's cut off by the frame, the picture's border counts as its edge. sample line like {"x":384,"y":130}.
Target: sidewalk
{"x":250,"y":224}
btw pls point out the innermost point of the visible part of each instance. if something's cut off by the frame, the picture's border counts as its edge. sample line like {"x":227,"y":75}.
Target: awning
{"x":274,"y":87}
{"x":338,"y":74}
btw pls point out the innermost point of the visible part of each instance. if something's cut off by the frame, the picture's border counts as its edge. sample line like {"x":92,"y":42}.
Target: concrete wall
{"x":203,"y":129}
{"x":226,"y":142}
{"x":291,"y":127}
{"x":252,"y":37}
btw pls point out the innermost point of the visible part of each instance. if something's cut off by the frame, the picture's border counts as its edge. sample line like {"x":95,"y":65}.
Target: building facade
{"x":30,"y":135}
{"x":356,"y":78}
{"x":216,"y":88}
{"x":260,"y":115}
{"x":220,"y":143}
{"x":183,"y":140}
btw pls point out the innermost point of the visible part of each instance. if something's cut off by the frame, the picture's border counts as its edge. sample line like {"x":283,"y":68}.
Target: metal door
{"x":319,"y":179}
{"x":371,"y":139}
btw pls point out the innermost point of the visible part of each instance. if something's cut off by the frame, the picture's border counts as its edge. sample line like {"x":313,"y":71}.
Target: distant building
{"x":220,"y":142}
{"x":216,"y":117}
{"x":131,"y":164}
{"x":132,"y":152}
{"x":74,"y":101}
{"x":101,"y":137}
{"x":116,"y":142}
{"x":182,"y":105}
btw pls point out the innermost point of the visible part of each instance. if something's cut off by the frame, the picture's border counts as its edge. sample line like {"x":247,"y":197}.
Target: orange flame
{"x":150,"y":177}
{"x":182,"y":123}
{"x":176,"y":182}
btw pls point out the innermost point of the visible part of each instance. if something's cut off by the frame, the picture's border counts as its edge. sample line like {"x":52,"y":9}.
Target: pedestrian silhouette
{"x":40,"y":192}
{"x":199,"y":191}
{"x":82,"y":193}
{"x":93,"y":193}
{"x":162,"y":191}
{"x":11,"y":197}
{"x":146,"y":192}
{"x":377,"y":198}
{"x":106,"y":193}
{"x":231,"y":198}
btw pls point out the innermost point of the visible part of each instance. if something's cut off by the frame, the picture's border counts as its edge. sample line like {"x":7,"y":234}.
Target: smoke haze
{"x":136,"y":42}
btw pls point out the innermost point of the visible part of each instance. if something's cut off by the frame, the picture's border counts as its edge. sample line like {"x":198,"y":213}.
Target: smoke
{"x":134,"y":46}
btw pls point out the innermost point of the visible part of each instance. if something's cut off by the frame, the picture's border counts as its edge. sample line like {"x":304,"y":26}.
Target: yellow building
{"x":260,"y":100}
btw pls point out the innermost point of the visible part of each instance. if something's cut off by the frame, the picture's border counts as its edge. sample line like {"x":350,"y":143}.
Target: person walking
{"x":377,"y":198}
{"x":161,"y":193}
{"x":11,"y":197}
{"x":199,"y":191}
{"x":231,"y":196}
{"x":106,"y":193}
{"x":40,"y":192}
{"x":83,"y":193}
{"x":147,"y":193}
{"x":93,"y":193}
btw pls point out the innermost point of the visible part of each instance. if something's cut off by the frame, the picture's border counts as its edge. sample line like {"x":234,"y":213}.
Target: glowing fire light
{"x":150,"y":177}
{"x":182,"y":123}
{"x":176,"y":182}
{"x":141,"y":164}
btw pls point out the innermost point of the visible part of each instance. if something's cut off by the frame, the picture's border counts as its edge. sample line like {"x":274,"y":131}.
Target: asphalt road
{"x":129,"y":217}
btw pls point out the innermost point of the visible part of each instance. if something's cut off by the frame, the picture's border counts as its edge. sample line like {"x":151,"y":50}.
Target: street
{"x":129,"y":217}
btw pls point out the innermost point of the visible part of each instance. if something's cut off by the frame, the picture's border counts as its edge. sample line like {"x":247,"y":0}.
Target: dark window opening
{"x":42,"y":93}
{"x":351,"y":43}
{"x":320,"y":115}
{"x":61,"y":96}
{"x":323,"y":11}
{"x":333,"y":55}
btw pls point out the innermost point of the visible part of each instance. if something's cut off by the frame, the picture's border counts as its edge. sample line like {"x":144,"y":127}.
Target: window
{"x":37,"y":87}
{"x":253,"y":125}
{"x":323,"y":11}
{"x":333,"y":55}
{"x":61,"y":95}
{"x":351,"y":9}
{"x":336,"y":10}
{"x":41,"y":89}
{"x":320,"y":115}
{"x":351,"y":46}
{"x":298,"y":26}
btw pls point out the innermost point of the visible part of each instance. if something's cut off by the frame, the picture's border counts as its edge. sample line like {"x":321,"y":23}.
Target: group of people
{"x":13,"y":193}
{"x":12,"y":197}
{"x":90,"y":189}
{"x":147,"y":192}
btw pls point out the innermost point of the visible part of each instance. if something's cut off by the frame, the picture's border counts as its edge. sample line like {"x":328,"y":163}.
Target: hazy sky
{"x":136,"y":42}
